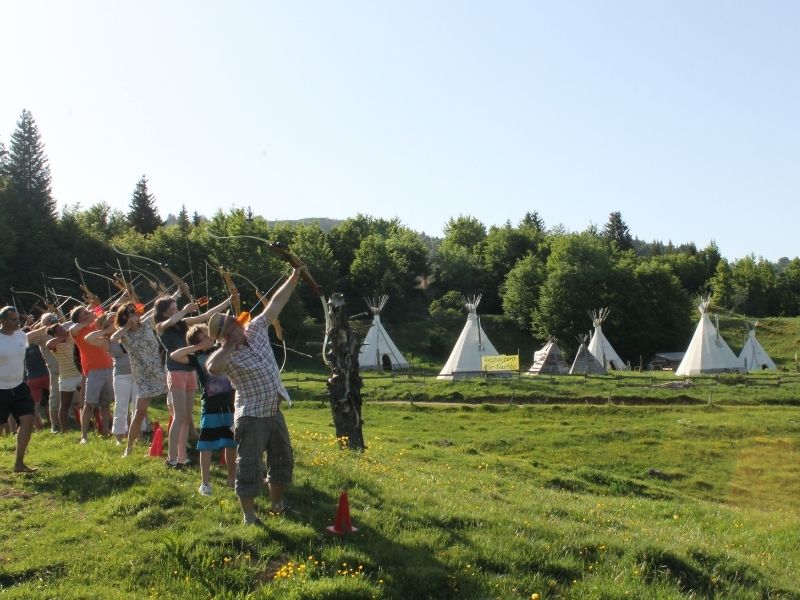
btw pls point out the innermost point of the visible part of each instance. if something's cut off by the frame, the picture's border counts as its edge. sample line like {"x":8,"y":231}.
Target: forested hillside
{"x":541,"y":277}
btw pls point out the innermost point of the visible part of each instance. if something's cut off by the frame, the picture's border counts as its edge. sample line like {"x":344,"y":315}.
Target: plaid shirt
{"x":254,"y":373}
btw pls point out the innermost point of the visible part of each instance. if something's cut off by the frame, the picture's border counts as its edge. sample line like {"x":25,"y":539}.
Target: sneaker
{"x":84,"y":441}
{"x":205,"y":489}
{"x":173,"y":465}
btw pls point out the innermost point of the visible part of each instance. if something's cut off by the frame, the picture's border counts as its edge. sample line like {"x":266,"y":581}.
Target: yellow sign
{"x":502,"y":362}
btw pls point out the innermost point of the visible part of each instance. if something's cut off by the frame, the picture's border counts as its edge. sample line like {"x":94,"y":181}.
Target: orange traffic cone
{"x":342,"y":522}
{"x":157,"y":445}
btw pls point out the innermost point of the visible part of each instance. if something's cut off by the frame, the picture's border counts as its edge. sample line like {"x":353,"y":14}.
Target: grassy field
{"x":623,"y":486}
{"x":451,"y":501}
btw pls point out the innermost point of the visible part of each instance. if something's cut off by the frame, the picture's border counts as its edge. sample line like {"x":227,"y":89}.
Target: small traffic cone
{"x":342,"y":522}
{"x":157,"y":445}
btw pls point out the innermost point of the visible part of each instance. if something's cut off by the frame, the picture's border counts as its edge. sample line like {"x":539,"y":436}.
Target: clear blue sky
{"x":683,"y":115}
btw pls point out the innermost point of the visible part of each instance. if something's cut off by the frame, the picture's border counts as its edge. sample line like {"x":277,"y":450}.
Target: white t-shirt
{"x":12,"y":359}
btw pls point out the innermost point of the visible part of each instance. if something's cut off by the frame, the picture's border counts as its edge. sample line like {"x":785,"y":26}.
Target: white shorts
{"x":70,"y":384}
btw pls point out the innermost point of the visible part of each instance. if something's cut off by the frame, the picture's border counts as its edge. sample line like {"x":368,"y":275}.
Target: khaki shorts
{"x":254,"y":436}
{"x":100,"y":387}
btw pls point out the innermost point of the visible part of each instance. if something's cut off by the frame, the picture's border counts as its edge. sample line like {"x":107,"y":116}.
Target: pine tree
{"x":197,"y":220}
{"x":143,"y":214}
{"x":617,"y":231}
{"x":29,"y":230}
{"x":29,"y":175}
{"x":183,"y":220}
{"x":533,"y":220}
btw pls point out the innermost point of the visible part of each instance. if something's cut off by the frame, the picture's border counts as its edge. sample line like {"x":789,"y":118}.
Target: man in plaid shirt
{"x":246,"y":357}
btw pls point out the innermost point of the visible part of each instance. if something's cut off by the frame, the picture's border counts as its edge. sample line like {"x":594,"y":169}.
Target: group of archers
{"x":128,"y":357}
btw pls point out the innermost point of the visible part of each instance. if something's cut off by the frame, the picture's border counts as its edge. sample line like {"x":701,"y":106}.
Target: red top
{"x":92,"y":357}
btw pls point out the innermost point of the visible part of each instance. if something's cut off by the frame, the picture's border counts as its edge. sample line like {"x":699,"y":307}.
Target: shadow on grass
{"x":409,"y":570}
{"x":86,"y":485}
{"x":41,"y":573}
{"x":707,"y":574}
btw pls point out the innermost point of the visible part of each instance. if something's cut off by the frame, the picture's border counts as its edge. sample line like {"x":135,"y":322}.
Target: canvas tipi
{"x":549,"y":360}
{"x":585,"y":363}
{"x":472,"y":344}
{"x":378,"y":351}
{"x":753,"y":356}
{"x":600,"y":347}
{"x":707,"y":352}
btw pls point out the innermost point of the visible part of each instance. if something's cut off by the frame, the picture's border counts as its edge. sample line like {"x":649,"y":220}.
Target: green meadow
{"x":492,"y":500}
{"x":630,"y":485}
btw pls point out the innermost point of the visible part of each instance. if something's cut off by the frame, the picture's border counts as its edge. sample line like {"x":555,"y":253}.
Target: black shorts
{"x":16,"y":402}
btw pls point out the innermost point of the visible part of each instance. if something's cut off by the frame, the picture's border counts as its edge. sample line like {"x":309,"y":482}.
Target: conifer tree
{"x":28,"y":171}
{"x":183,"y":220}
{"x":617,"y":231}
{"x":143,"y":214}
{"x":534,"y":220}
{"x":29,"y":228}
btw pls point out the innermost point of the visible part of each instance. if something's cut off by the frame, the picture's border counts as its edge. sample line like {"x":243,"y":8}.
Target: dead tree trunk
{"x":344,"y":384}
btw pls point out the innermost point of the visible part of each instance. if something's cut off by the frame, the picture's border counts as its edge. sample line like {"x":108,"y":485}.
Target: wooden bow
{"x":91,"y":298}
{"x":233,"y":291}
{"x":284,"y":254}
{"x":186,"y":292}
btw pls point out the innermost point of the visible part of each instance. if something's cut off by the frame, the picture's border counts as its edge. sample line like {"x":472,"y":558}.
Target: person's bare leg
{"x":63,"y":410}
{"x":179,"y":418}
{"x":276,"y":491}
{"x":183,"y":442}
{"x":105,"y":415}
{"x":86,"y":416}
{"x":38,"y":423}
{"x":230,"y":465}
{"x":205,"y":466}
{"x":23,"y":437}
{"x":248,"y":504}
{"x":135,"y":429}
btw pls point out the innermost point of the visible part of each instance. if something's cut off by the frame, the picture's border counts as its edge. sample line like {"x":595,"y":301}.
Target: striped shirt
{"x":65,"y":355}
{"x":254,"y":373}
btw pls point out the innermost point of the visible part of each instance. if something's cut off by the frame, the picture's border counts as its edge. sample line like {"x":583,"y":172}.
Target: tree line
{"x":543,"y":278}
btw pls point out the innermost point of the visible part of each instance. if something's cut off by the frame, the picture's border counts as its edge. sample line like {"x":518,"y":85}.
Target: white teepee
{"x":549,"y":360}
{"x":472,"y":344}
{"x":707,"y":352}
{"x":753,"y":356}
{"x":585,"y":362}
{"x":600,"y":347}
{"x":378,"y":351}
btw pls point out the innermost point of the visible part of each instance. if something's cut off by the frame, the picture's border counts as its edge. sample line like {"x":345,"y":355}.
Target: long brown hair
{"x":162,"y":305}
{"x":123,"y":312}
